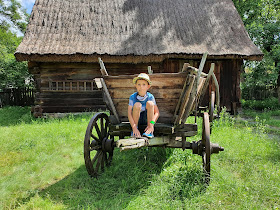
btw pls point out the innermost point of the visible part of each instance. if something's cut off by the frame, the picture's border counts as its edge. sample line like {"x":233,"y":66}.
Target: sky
{"x":27,"y":4}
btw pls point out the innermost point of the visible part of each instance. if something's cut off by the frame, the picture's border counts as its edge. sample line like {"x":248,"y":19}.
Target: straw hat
{"x":142,"y":76}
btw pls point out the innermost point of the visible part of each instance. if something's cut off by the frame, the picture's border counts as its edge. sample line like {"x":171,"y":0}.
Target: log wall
{"x":69,"y":87}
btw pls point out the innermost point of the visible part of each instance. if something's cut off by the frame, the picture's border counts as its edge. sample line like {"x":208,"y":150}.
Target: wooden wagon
{"x":177,"y":96}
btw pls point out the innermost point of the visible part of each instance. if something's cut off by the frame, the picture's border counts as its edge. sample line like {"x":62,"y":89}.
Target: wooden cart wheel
{"x":206,"y":150}
{"x":98,"y":149}
{"x":212,"y":106}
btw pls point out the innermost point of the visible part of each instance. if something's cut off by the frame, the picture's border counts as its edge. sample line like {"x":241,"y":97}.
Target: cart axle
{"x":197,"y":148}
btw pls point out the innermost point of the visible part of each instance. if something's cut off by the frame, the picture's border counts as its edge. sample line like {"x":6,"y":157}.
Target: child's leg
{"x":136,"y":112}
{"x":150,"y":111}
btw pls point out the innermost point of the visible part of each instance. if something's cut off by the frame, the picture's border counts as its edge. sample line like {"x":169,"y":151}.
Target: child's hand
{"x":136,"y":132}
{"x":149,"y":129}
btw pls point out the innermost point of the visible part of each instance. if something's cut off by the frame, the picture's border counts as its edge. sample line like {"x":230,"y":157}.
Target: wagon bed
{"x":177,"y":96}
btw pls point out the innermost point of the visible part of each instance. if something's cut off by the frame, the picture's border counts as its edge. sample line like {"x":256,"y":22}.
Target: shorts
{"x":143,"y":118}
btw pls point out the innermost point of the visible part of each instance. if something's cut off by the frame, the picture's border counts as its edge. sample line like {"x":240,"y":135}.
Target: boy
{"x":142,"y":108}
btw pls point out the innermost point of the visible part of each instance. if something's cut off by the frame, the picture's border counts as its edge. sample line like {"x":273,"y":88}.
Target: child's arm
{"x":133,"y":125}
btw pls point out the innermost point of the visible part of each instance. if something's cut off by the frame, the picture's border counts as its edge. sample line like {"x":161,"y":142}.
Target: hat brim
{"x":137,"y":78}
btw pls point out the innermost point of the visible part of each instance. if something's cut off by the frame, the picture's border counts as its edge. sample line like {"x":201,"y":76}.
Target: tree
{"x":13,"y":17}
{"x":262,"y":20}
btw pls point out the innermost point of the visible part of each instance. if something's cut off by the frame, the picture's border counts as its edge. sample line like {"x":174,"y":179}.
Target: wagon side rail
{"x":100,"y":83}
{"x":193,"y":91}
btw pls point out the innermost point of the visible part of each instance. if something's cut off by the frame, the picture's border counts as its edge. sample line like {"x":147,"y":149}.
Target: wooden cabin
{"x":64,"y":39}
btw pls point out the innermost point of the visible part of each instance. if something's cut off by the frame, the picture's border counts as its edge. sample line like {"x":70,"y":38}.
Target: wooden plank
{"x":158,"y":93}
{"x":69,"y":101}
{"x":175,"y":80}
{"x":80,"y":108}
{"x":160,"y":128}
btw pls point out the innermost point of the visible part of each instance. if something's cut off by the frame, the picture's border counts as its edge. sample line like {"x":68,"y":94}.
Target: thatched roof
{"x":143,"y":30}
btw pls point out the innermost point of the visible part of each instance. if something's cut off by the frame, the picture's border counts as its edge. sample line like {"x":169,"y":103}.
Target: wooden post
{"x":150,"y":71}
{"x":185,"y":67}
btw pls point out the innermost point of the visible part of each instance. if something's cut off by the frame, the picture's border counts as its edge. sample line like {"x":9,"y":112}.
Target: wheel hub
{"x":107,"y":145}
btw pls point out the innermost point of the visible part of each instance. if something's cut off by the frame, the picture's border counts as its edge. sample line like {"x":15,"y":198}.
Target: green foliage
{"x":12,"y":73}
{"x":262,"y":21}
{"x":267,"y":104}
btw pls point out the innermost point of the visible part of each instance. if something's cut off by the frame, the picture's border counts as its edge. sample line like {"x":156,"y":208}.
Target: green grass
{"x":269,"y":117}
{"x":42,"y":167}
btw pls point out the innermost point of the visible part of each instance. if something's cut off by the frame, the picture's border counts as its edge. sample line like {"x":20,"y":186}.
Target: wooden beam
{"x":206,"y":83}
{"x":109,"y":100}
{"x":103,"y":69}
{"x":217,"y":91}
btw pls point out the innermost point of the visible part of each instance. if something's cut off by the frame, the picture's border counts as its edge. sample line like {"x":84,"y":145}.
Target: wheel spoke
{"x":94,"y":137}
{"x":102,"y":161}
{"x":95,"y":157}
{"x":102,"y":126}
{"x":107,"y":128}
{"x":98,"y":131}
{"x":98,"y":162}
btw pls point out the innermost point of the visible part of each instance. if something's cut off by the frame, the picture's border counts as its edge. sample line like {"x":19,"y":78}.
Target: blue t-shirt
{"x":143,"y":100}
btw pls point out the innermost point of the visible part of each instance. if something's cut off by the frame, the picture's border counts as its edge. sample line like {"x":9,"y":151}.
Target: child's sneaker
{"x":150,"y":135}
{"x":131,"y":134}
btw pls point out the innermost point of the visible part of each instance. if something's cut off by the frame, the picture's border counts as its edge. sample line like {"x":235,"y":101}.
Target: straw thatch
{"x":151,"y":30}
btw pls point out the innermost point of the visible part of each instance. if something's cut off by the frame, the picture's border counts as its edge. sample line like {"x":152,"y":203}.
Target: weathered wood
{"x":150,"y":71}
{"x":175,"y":80}
{"x":194,"y":71}
{"x":80,"y":108}
{"x":159,"y":128}
{"x":217,"y":91}
{"x":206,"y":85}
{"x":103,"y":69}
{"x":109,"y":99}
{"x":185,"y":67}
{"x":185,"y":99}
{"x":132,"y":143}
{"x":193,"y":93}
{"x":171,"y":93}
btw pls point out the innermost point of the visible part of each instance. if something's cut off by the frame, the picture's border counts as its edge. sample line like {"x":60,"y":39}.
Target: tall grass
{"x":42,"y":167}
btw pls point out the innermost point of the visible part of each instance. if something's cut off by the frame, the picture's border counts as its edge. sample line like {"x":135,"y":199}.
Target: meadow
{"x":42,"y":167}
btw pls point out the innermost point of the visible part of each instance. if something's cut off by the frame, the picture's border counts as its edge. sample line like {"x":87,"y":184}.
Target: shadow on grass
{"x":131,"y":173}
{"x":14,"y":115}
